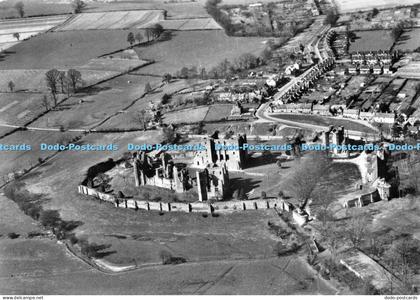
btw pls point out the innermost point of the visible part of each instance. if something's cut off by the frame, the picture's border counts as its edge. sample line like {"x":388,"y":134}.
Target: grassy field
{"x":210,"y":47}
{"x":114,"y":20}
{"x":202,"y":113}
{"x":86,"y":110}
{"x":372,"y":40}
{"x":409,"y":40}
{"x":175,"y":10}
{"x":325,"y":121}
{"x":63,"y":49}
{"x":34,"y":8}
{"x":25,"y":273}
{"x":20,"y":108}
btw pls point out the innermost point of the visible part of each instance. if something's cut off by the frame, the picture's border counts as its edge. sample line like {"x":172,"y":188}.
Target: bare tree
{"x":16,"y":35}
{"x":62,"y":79}
{"x":402,"y":257}
{"x":52,"y":77}
{"x":74,"y":77}
{"x":138,"y":37}
{"x":149,"y":33}
{"x":78,"y":6}
{"x":45,"y":102}
{"x":142,"y":118}
{"x":356,"y":227}
{"x":20,"y":9}
{"x":305,"y":179}
{"x":11,"y":86}
{"x":131,"y":39}
{"x":147,"y":88}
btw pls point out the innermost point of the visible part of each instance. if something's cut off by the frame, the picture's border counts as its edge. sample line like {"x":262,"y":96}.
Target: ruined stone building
{"x":161,"y":173}
{"x":212,"y":183}
{"x":221,"y":152}
{"x":335,"y":136}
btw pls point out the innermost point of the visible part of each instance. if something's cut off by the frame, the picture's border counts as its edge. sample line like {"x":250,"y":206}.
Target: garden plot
{"x":114,"y":20}
{"x":372,"y":40}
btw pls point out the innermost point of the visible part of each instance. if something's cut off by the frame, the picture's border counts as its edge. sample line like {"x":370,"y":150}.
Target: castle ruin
{"x":219,"y":152}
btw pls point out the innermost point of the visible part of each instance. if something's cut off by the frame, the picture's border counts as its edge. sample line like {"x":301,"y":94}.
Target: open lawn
{"x":372,"y":40}
{"x":202,"y":49}
{"x":63,"y":49}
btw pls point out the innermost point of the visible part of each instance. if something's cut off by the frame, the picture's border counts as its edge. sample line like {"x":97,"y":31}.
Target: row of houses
{"x":376,"y":69}
{"x":336,"y":110}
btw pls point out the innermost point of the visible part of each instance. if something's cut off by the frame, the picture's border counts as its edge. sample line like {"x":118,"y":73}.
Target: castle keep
{"x":221,"y":152}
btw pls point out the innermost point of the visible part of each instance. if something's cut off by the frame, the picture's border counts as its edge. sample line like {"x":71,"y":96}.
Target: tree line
{"x":64,"y":82}
{"x":150,"y":33}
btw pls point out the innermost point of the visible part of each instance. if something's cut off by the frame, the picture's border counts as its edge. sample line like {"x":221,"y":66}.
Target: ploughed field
{"x":26,"y":28}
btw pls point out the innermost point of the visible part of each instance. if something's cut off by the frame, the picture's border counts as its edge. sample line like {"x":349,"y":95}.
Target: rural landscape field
{"x":209,"y":147}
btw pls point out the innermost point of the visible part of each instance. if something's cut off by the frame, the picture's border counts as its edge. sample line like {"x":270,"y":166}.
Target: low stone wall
{"x":195,"y":207}
{"x":363,"y":200}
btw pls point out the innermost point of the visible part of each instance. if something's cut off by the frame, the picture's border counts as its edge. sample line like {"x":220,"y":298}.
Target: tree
{"x":74,"y":77}
{"x":149,"y":33}
{"x":11,"y":86}
{"x":130,"y":38}
{"x":142,"y":118}
{"x":50,"y":218}
{"x":147,"y":88}
{"x":170,"y":135}
{"x":307,"y":175}
{"x":52,"y":77}
{"x":45,"y":102}
{"x":166,"y":78}
{"x":165,"y":99}
{"x":397,"y":31}
{"x":157,"y":30}
{"x":375,"y":12}
{"x":357,"y":228}
{"x":331,"y":17}
{"x":62,"y":79}
{"x":16,"y":35}
{"x":78,"y":6}
{"x":138,"y":37}
{"x":402,"y":257}
{"x":20,"y":9}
